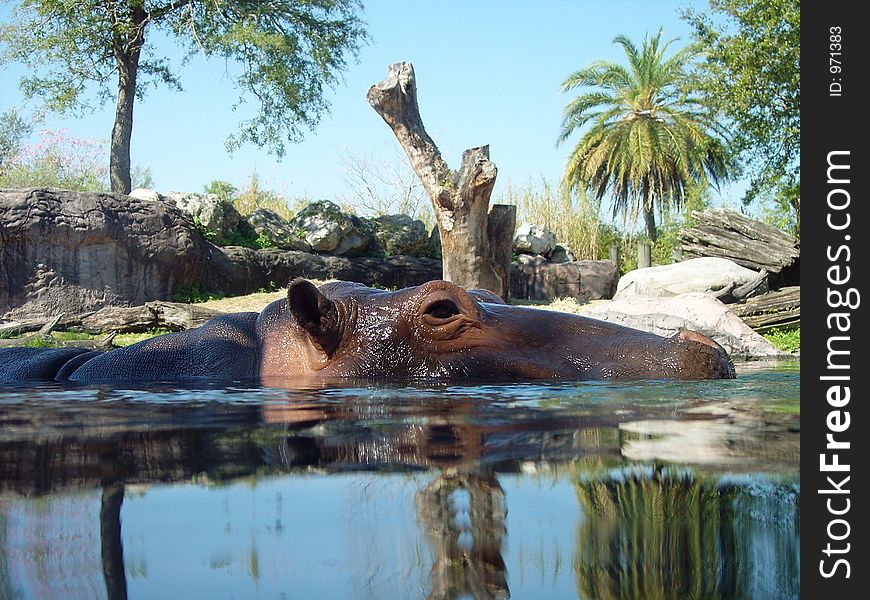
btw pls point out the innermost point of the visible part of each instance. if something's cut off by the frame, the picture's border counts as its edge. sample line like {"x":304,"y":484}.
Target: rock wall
{"x":536,"y":278}
{"x":73,"y":253}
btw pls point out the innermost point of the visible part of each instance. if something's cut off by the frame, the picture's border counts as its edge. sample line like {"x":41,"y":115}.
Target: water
{"x":644,"y":490}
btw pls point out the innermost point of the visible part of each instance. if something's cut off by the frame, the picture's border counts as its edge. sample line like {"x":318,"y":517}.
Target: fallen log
{"x":780,"y":309}
{"x":174,"y":316}
{"x":105,"y":343}
{"x":727,"y":234}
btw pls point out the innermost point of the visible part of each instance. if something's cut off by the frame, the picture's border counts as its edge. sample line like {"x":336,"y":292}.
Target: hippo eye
{"x":443,"y":309}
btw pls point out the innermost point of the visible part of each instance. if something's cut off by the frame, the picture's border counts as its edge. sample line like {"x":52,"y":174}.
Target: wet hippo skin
{"x":346,"y":330}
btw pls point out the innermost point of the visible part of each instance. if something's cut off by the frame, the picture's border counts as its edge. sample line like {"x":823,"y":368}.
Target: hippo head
{"x":439,"y":330}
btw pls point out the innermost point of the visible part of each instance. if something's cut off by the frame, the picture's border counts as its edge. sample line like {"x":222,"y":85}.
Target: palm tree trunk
{"x":649,"y":218}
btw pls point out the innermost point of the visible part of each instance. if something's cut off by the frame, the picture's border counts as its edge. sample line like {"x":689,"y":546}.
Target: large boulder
{"x":706,"y":274}
{"x":210,"y":212}
{"x":328,"y":229}
{"x":561,"y":253}
{"x":69,"y":252}
{"x":536,"y":278}
{"x":534,"y":239}
{"x":277,"y":230}
{"x":697,"y":311}
{"x":251,"y":270}
{"x":399,"y":234}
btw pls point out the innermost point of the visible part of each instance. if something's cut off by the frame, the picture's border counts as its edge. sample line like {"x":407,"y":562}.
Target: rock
{"x":561,"y":253}
{"x":534,"y":239}
{"x":210,"y":212}
{"x":357,"y":241}
{"x":277,"y":230}
{"x":73,"y":253}
{"x":399,"y":234}
{"x":327,"y":229}
{"x":694,"y":275}
{"x":249,"y":270}
{"x":146,"y":194}
{"x":697,"y":311}
{"x":535,"y":278}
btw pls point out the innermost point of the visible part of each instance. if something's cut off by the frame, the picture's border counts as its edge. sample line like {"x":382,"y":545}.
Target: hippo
{"x":343,"y":330}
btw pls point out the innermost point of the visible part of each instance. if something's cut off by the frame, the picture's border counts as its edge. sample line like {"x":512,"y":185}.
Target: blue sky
{"x":488,"y":72}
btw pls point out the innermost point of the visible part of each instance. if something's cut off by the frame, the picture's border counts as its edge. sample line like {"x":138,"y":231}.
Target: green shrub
{"x":192,"y":294}
{"x":787,"y":340}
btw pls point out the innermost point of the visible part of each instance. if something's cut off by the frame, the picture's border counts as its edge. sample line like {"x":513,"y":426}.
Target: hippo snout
{"x":703,"y":357}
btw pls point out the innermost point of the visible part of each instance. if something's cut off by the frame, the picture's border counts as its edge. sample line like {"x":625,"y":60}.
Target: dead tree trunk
{"x":460,"y":198}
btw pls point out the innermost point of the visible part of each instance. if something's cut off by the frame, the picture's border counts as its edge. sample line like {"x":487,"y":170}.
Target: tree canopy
{"x":751,"y":74}
{"x":282,"y":55}
{"x":647,"y":140}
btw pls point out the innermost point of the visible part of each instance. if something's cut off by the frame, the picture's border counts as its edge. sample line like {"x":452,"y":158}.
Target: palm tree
{"x":647,"y":138}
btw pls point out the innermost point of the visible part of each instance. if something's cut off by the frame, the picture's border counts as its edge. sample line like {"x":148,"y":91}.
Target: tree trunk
{"x":111,"y":548}
{"x":460,"y":198}
{"x":127,"y":47}
{"x":649,"y":218}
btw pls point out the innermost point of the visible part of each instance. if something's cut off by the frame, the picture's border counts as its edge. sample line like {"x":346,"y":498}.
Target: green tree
{"x":647,"y":139}
{"x":284,"y":54}
{"x":13,"y":130}
{"x":752,"y":75}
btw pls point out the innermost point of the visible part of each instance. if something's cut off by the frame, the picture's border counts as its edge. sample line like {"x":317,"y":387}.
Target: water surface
{"x":639,"y":490}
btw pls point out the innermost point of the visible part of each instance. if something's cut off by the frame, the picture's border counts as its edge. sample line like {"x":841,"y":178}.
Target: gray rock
{"x":561,"y":253}
{"x":67,"y":252}
{"x":697,"y":311}
{"x":146,"y":194}
{"x":399,"y":234}
{"x":248,"y":270}
{"x":534,"y":239}
{"x":75,"y":253}
{"x":535,"y":278}
{"x":210,"y":211}
{"x":327,"y":229}
{"x":277,"y":230}
{"x":695,"y":275}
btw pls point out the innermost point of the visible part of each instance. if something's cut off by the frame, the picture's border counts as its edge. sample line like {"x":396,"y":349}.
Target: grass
{"x":786,"y":340}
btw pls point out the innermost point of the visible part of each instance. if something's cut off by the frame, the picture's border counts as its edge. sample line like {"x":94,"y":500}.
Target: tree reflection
{"x":654,"y":533}
{"x":111,"y":549}
{"x":466,"y":541}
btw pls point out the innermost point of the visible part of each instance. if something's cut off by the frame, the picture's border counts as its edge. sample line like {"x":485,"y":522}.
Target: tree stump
{"x":460,"y":198}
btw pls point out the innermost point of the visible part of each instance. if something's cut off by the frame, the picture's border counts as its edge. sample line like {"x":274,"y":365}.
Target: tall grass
{"x":575,"y":219}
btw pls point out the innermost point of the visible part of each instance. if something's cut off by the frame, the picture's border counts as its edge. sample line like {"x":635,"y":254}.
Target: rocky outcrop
{"x":277,"y":231}
{"x":249,"y":270}
{"x":695,"y":275}
{"x":536,"y":278}
{"x":561,"y":253}
{"x":399,"y":234}
{"x":66,"y":252}
{"x":74,"y":253}
{"x":697,"y":311}
{"x":327,"y":229}
{"x":534,"y":239}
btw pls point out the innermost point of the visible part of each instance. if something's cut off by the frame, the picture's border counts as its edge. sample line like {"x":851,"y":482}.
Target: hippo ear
{"x":315,"y":313}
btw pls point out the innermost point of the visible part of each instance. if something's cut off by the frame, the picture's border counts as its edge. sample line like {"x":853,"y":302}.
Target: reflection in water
{"x":664,"y":534}
{"x":111,"y":550}
{"x":466,"y":539}
{"x":91,"y":506}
